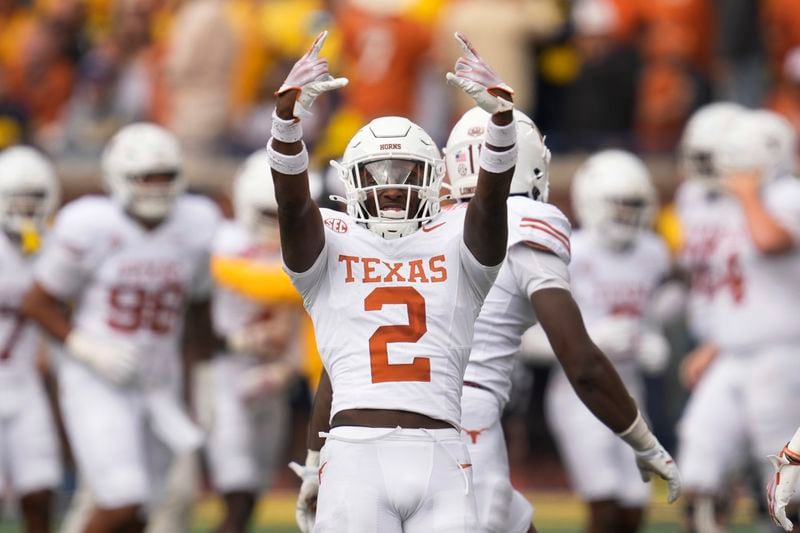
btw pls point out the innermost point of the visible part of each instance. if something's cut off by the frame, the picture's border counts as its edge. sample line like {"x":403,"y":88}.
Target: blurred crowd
{"x":591,"y":72}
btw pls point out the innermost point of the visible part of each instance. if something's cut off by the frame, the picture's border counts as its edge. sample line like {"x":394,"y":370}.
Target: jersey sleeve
{"x":544,"y":228}
{"x":480,"y":277}
{"x":535,"y":269}
{"x":308,"y":282}
{"x":65,"y":262}
{"x":782,"y":200}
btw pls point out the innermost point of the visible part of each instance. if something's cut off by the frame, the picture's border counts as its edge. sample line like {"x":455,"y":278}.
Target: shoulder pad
{"x":541,"y":226}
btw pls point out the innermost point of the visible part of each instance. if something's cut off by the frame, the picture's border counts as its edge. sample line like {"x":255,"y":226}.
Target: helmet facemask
{"x":152,"y":195}
{"x":24,"y":215}
{"x":624,"y":218}
{"x":392,"y":196}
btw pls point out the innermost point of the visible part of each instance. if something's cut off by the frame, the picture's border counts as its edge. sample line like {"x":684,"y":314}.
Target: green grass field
{"x":555,"y":513}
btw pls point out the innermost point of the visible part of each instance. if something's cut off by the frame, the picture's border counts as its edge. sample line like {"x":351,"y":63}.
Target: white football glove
{"x":306,"y":511}
{"x":653,"y":352}
{"x":257,"y":339}
{"x":657,"y":460}
{"x":782,"y":485}
{"x":476,"y":78}
{"x":615,"y":335}
{"x":263,"y":379}
{"x":116,"y":362}
{"x":310,"y":76}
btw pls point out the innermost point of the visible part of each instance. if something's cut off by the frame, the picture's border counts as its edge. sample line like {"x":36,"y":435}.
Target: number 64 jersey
{"x":127,"y":283}
{"x":394,"y":318}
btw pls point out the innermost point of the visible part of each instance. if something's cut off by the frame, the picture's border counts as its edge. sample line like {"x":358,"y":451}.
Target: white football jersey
{"x":128,"y":283}
{"x":230,"y":311}
{"x":507,"y":312}
{"x":755,"y":296}
{"x":394,"y":317}
{"x":616,"y":285}
{"x":703,"y":218}
{"x":19,"y":338}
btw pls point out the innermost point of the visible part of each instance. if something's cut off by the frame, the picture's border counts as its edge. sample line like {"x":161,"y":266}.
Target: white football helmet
{"x":531,"y":175}
{"x":29,"y":193}
{"x":135,"y":152}
{"x":701,"y":138}
{"x":391,"y":153}
{"x":758,"y":140}
{"x":613,"y":196}
{"x":254,"y":202}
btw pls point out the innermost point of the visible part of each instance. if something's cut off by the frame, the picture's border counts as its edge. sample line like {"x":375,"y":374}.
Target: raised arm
{"x":598,"y":385}
{"x":769,"y":236}
{"x":302,"y":235}
{"x":486,"y":223}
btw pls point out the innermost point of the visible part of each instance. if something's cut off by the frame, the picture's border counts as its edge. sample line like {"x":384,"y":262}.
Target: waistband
{"x":360,"y":434}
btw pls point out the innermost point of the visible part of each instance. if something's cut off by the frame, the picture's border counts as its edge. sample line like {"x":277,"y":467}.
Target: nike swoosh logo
{"x":426,"y":229}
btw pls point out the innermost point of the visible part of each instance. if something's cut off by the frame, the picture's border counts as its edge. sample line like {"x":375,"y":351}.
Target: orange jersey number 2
{"x":383,"y":371}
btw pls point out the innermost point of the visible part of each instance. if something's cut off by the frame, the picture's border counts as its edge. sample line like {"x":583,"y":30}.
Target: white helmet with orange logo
{"x":392,"y":153}
{"x":463,"y":161}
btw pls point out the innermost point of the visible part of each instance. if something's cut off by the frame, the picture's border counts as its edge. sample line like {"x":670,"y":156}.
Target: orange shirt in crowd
{"x":382,"y":57}
{"x":781,"y":19}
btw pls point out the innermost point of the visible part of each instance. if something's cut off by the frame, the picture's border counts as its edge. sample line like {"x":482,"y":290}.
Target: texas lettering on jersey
{"x":375,"y":270}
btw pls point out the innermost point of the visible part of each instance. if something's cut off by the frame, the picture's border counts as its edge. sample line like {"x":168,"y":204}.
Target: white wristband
{"x":501,"y":136}
{"x":312,"y":458}
{"x":497,"y":162}
{"x":287,"y":131}
{"x":638,"y":435}
{"x":287,"y":164}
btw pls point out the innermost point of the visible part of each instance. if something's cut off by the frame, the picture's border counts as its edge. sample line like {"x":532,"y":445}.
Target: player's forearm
{"x":767,"y":233}
{"x":320,"y":413}
{"x":486,"y":223}
{"x":47,"y":311}
{"x":600,"y":388}
{"x":302,"y":234}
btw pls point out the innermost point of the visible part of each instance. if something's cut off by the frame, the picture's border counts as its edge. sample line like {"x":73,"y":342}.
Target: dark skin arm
{"x":198,"y":340}
{"x":486,"y":222}
{"x":49,"y":312}
{"x":302,"y":233}
{"x":589,"y":371}
{"x":320,"y":413}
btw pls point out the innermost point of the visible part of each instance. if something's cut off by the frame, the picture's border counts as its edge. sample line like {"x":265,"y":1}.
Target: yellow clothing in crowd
{"x":268,"y":283}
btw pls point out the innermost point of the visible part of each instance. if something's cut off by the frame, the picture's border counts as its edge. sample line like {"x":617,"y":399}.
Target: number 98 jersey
{"x":394,"y":318}
{"x":128,"y":283}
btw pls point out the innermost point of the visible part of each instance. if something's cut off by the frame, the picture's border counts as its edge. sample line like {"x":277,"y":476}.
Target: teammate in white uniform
{"x":130,"y":264}
{"x":752,"y":265}
{"x":30,"y":456}
{"x":250,"y":407}
{"x":393,"y":288}
{"x":617,"y":266}
{"x":532,"y":285}
{"x":698,"y":224}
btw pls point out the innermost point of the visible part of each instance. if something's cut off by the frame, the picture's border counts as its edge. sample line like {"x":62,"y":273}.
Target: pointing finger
{"x":313,"y":52}
{"x":469,"y":50}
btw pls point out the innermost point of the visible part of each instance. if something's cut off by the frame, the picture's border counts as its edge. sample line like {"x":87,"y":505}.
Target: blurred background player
{"x":617,"y":265}
{"x":30,"y":455}
{"x":752,"y":261}
{"x":131,"y":263}
{"x":525,"y":291}
{"x":249,"y":418}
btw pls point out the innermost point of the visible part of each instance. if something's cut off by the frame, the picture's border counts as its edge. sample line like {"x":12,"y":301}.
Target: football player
{"x":393,"y":287}
{"x":30,"y":456}
{"x":249,"y":417}
{"x":616,"y":269}
{"x":532,"y":286}
{"x":130,"y":264}
{"x":784,"y":483}
{"x":752,"y":262}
